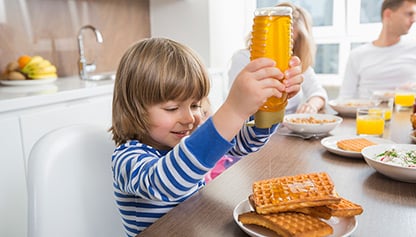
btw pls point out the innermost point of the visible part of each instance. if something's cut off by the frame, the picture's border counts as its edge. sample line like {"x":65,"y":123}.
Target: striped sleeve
{"x":251,"y":139}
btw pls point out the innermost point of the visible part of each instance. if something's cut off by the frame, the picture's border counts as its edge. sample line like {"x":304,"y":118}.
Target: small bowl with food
{"x":348,"y":107}
{"x":397,"y":161}
{"x":317,"y":124}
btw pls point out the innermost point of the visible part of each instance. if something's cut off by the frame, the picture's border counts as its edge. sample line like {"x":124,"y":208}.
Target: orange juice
{"x":379,"y":111}
{"x":272,"y":38}
{"x":404,"y":99}
{"x":370,"y":125}
{"x":387,"y":114}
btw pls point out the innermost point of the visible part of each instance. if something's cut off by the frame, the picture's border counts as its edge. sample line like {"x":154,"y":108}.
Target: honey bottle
{"x":271,"y":37}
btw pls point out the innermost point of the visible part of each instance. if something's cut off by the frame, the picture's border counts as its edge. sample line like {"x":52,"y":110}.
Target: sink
{"x":100,"y":77}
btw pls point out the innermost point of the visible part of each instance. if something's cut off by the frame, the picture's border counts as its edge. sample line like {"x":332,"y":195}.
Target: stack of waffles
{"x":296,"y":205}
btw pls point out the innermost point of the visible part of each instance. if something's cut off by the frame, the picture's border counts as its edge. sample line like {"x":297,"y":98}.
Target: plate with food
{"x":311,"y":123}
{"x":309,"y":205}
{"x":27,"y":82}
{"x":342,"y":226}
{"x":397,"y":161}
{"x":351,"y":146}
{"x":348,"y":107}
{"x":28,"y":71}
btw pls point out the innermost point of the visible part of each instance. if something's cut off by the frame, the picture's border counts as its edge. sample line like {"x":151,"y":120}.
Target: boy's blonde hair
{"x":153,"y":71}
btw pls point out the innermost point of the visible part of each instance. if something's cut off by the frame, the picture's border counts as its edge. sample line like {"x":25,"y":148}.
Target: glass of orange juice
{"x":384,"y":105}
{"x":404,"y":99}
{"x":370,"y":122}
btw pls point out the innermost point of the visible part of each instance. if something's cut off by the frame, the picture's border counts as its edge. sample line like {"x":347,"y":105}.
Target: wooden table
{"x":389,"y":205}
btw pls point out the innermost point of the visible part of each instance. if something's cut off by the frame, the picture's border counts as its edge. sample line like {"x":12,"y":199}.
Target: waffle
{"x":291,"y":192}
{"x":320,"y":212}
{"x":344,"y":208}
{"x":355,"y":144}
{"x":288,"y":224}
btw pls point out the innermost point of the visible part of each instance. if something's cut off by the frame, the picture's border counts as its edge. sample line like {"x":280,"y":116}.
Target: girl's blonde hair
{"x":304,"y":46}
{"x":153,"y":71}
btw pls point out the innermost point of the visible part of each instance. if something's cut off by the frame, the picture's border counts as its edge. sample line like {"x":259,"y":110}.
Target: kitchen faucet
{"x":84,"y":67}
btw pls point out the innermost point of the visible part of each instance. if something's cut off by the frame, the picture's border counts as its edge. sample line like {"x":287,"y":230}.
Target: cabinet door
{"x":37,"y":123}
{"x":13,"y":195}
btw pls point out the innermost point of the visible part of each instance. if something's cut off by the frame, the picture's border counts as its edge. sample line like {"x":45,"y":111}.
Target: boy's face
{"x":171,"y":121}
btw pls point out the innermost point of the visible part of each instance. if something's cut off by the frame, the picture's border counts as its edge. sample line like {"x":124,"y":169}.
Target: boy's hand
{"x":258,"y":81}
{"x":294,"y":77}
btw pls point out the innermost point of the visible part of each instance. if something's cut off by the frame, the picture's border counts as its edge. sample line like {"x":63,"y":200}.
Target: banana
{"x":33,"y":61}
{"x":39,"y":72}
{"x":38,"y":66}
{"x":43,"y":76}
{"x":43,"y":69}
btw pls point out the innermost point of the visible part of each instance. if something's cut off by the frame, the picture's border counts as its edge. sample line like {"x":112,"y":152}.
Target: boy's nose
{"x":188,"y":117}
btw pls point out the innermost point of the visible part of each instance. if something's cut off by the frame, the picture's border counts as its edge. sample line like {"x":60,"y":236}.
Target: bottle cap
{"x":263,"y":119}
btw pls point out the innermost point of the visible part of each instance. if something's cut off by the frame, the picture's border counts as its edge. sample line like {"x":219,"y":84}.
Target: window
{"x":338,"y":27}
{"x":327,"y":58}
{"x":328,"y":18}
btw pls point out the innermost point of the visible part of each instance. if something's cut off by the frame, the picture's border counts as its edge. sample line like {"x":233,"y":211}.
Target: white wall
{"x":185,"y":21}
{"x":215,"y":29}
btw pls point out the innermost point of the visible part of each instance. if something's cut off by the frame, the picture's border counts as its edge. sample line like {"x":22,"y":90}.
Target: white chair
{"x":70,"y":184}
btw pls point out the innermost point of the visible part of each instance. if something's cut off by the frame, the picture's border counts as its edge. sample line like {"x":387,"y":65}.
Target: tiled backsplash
{"x":49,"y":28}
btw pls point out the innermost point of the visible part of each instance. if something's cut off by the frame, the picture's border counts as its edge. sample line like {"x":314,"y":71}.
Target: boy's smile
{"x":171,"y":121}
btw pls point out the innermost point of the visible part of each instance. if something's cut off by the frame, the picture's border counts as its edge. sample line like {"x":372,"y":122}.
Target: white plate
{"x":311,"y":128}
{"x":396,"y":172}
{"x":348,"y":107}
{"x":27,"y":82}
{"x":342,"y":226}
{"x":330,"y":143}
{"x":384,"y":94}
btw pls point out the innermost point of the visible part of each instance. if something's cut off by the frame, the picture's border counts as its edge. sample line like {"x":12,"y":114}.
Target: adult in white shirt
{"x":312,"y":97}
{"x":388,"y":62}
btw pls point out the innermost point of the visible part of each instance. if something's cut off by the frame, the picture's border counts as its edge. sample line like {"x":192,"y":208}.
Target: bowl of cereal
{"x":316,"y":124}
{"x":397,"y":161}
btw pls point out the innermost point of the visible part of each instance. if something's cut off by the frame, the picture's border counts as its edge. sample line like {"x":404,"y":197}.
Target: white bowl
{"x":312,"y":128}
{"x":348,"y":107}
{"x":396,"y":172}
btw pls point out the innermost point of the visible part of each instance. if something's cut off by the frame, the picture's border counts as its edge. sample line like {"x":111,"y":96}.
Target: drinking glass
{"x":404,"y":99}
{"x":370,"y":122}
{"x":382,"y":104}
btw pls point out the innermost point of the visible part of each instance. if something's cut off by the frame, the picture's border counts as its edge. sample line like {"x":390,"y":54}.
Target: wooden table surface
{"x":389,"y":205}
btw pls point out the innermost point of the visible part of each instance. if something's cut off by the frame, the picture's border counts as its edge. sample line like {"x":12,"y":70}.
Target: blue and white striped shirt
{"x":149,"y":182}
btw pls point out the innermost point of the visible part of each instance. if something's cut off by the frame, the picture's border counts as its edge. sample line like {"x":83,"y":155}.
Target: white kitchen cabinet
{"x":13,"y":195}
{"x":25,"y":116}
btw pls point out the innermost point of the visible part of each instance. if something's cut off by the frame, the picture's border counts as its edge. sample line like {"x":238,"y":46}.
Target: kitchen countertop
{"x":63,"y":89}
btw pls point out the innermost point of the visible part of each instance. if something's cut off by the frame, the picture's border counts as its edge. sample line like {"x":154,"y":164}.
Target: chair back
{"x":70,"y":184}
